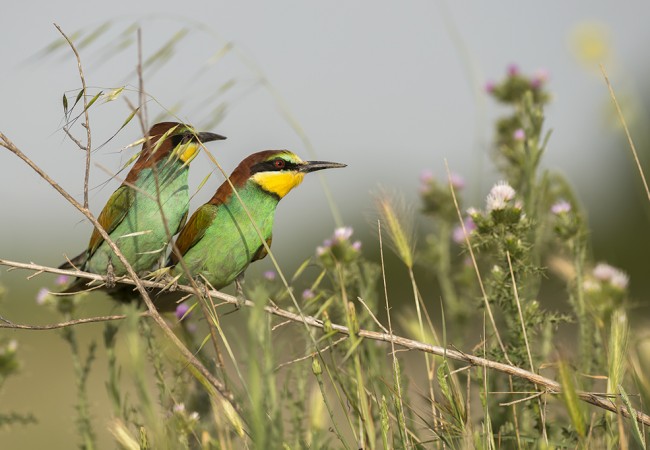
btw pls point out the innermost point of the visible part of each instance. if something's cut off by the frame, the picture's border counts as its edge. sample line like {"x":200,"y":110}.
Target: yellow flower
{"x":590,"y":43}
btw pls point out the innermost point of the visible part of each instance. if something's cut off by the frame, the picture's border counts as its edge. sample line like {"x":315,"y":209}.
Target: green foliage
{"x":300,"y":387}
{"x":10,"y":366}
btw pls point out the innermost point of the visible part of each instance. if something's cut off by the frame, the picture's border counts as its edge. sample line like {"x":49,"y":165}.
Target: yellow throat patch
{"x":187,"y":152}
{"x":278,"y":183}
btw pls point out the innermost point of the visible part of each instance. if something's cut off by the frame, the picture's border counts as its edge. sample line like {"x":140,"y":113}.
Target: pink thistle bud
{"x":513,"y":70}
{"x":561,"y":207}
{"x":457,"y":181}
{"x":519,"y":134}
{"x":182,"y":310}
{"x":42,"y":295}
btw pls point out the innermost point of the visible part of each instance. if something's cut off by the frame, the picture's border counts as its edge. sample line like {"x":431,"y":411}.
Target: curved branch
{"x":551,"y":386}
{"x":187,"y":354}
{"x":86,"y":125}
{"x":54,"y":326}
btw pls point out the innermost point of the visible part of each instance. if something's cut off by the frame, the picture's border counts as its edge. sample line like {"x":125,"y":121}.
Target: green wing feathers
{"x":112,"y":215}
{"x":194,"y":230}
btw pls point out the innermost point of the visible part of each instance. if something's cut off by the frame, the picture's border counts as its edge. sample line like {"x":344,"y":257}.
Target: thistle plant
{"x":341,"y":379}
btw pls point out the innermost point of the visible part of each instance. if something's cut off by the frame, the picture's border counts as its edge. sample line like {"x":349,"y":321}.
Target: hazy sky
{"x":388,"y":87}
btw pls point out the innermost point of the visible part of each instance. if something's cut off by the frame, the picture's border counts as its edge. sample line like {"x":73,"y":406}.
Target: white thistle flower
{"x":499,"y":196}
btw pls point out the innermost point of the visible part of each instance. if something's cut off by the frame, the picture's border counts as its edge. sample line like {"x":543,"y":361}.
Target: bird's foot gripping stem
{"x":110,"y":275}
{"x":239,"y":290}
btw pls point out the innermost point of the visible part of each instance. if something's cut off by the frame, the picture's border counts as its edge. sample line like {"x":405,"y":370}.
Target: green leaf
{"x":114,"y":94}
{"x":93,"y":100}
{"x":571,"y":400}
{"x":81,"y":92}
{"x":131,"y":116}
{"x":635,"y":425}
{"x":301,"y":269}
{"x":202,"y":183}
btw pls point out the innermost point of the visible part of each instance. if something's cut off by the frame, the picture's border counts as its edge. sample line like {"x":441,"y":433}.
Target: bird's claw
{"x":239,"y":291}
{"x":110,"y":275}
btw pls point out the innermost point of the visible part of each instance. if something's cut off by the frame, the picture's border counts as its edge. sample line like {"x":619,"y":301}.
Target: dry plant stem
{"x":143,"y":118}
{"x":55,"y":326}
{"x":552,"y":387}
{"x":216,"y":384}
{"x":282,"y":278}
{"x":627,"y":131}
{"x":402,"y":420}
{"x":87,"y":147}
{"x":515,"y":292}
{"x":478,"y":273}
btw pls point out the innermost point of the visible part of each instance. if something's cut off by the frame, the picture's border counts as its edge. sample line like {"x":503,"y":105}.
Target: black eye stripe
{"x":178,"y":139}
{"x":269,"y":166}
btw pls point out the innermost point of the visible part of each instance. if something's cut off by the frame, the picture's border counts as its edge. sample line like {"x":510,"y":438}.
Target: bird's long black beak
{"x":206,"y":136}
{"x":313,"y":166}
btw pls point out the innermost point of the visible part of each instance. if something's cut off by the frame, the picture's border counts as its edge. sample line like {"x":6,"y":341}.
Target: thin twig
{"x":552,"y":386}
{"x":187,"y":354}
{"x":55,"y":326}
{"x":627,"y":131}
{"x":478,"y":273}
{"x":310,"y":355}
{"x":398,"y":387}
{"x":372,"y":315}
{"x":523,"y":329}
{"x":525,"y":399}
{"x":74,"y":139}
{"x":88,"y":145}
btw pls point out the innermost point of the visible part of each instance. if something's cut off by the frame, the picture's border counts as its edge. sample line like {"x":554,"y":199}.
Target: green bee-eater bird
{"x":219,"y":240}
{"x":155,"y":191}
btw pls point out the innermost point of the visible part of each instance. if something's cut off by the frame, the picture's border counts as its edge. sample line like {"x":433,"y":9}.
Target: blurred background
{"x":389,"y":88}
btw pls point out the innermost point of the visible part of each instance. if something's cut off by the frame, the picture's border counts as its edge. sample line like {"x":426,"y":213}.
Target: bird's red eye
{"x":279,"y":163}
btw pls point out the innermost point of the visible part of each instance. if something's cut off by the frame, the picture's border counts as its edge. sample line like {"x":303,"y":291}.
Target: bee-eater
{"x":148,"y":208}
{"x":219,"y":240}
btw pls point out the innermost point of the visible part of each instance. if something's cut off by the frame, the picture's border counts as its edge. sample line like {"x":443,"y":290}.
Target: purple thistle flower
{"x":356,"y":246}
{"x":513,"y":70}
{"x":426,"y":176}
{"x":270,"y":275}
{"x":489,"y":87}
{"x":61,"y":280}
{"x":179,"y":408}
{"x":457,"y":181}
{"x":561,"y":207}
{"x":458,"y":235}
{"x":322,"y":249}
{"x":539,"y":78}
{"x":42,"y":295}
{"x":343,"y":234}
{"x":610,"y":274}
{"x":308,"y":294}
{"x":181,"y":311}
{"x":519,"y":134}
